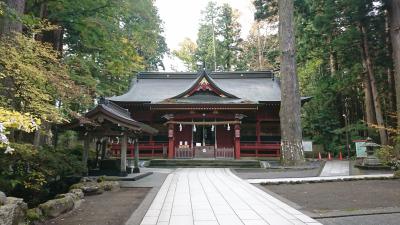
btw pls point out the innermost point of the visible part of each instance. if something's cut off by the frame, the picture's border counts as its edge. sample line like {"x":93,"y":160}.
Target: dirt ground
{"x":344,"y":196}
{"x":109,"y":208}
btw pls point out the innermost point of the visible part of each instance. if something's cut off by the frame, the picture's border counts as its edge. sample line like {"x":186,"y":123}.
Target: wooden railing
{"x":226,"y":153}
{"x":262,"y":149}
{"x":183,"y":153}
{"x":156,"y":149}
{"x":188,"y":153}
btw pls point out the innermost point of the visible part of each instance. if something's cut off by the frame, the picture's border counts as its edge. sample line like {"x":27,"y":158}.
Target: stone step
{"x":204,"y":163}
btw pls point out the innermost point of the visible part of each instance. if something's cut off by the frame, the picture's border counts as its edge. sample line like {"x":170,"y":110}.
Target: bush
{"x":38,"y":175}
{"x":388,"y":155}
{"x":396,"y":174}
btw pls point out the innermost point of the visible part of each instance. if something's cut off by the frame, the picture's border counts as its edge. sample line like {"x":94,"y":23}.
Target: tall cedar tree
{"x":292,"y":147}
{"x":394,"y":25}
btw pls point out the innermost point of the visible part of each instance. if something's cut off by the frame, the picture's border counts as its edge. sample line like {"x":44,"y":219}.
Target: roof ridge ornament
{"x":204,"y":82}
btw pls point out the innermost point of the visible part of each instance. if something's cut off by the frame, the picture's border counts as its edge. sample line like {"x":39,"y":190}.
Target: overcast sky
{"x":181,"y":19}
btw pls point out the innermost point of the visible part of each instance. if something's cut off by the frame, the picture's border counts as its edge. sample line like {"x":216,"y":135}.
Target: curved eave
{"x":102,"y":112}
{"x":121,"y":121}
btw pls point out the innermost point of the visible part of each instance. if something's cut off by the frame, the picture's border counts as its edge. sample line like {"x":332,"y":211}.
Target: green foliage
{"x":33,"y":215}
{"x":266,"y":9}
{"x":186,"y":53}
{"x":33,"y":79}
{"x":68,"y":139}
{"x":37,"y":175}
{"x":108,"y":41}
{"x":260,"y":51}
{"x":228,"y":29}
{"x":1,"y":8}
{"x":389,"y":156}
{"x":330,"y":67}
{"x":221,"y":22}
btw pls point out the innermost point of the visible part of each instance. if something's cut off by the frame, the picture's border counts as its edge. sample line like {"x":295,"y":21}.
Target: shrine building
{"x":227,"y":115}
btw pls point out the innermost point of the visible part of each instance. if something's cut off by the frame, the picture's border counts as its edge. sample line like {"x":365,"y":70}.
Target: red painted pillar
{"x":237,"y":141}
{"x":151,"y":138}
{"x":171,"y":144}
{"x":258,"y":131}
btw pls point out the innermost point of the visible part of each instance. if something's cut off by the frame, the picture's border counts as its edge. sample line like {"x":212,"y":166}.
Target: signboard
{"x":307,"y":146}
{"x":237,"y":133}
{"x":360,"y":151}
{"x":170,"y":133}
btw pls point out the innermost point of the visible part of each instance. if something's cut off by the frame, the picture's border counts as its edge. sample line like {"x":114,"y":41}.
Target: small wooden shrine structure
{"x":109,"y":123}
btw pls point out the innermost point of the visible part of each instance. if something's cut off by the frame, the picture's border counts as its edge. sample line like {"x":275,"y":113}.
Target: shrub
{"x":396,"y":174}
{"x":37,"y":175}
{"x":386,"y":154}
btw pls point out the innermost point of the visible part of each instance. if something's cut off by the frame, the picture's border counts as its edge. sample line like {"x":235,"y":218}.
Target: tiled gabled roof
{"x":155,"y":87}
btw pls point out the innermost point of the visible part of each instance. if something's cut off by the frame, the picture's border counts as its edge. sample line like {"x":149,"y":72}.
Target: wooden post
{"x":237,"y":141}
{"x":124,"y":146}
{"x":151,"y":137}
{"x":258,"y":131}
{"x":136,"y":159}
{"x":85,"y":153}
{"x":171,"y":144}
{"x":104,"y":148}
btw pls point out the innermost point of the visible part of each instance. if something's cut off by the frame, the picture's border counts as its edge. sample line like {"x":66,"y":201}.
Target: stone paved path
{"x":214,"y":196}
{"x":336,"y":168}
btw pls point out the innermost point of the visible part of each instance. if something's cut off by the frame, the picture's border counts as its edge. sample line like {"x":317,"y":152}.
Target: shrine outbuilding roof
{"x":176,"y":87}
{"x":107,"y":110}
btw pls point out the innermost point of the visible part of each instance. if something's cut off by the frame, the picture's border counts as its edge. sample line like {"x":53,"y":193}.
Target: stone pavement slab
{"x":208,"y":196}
{"x":336,"y":168}
{"x":306,"y":179}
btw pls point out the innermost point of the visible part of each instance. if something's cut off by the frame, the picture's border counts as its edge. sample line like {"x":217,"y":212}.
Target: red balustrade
{"x":155,"y":149}
{"x":262,"y":149}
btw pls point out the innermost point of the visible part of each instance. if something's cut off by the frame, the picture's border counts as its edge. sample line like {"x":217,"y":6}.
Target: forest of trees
{"x":346,"y":54}
{"x":220,"y":47}
{"x":56,"y":58}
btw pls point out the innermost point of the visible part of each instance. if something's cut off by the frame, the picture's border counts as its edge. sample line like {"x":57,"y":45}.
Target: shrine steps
{"x":210,"y":163}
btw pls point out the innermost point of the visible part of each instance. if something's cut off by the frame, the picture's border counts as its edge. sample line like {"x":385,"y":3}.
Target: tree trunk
{"x":370,"y":117}
{"x":394,"y":23}
{"x":389,"y":70}
{"x":9,"y":25}
{"x":374,"y":91}
{"x":85,"y":153}
{"x":55,"y":37}
{"x":291,"y":146}
{"x":259,"y":49}
{"x":332,"y":58}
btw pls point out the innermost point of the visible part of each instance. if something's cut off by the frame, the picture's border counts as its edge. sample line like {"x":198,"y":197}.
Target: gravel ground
{"x":109,"y":208}
{"x":345,"y":196}
{"x":275,"y":173}
{"x":379,"y":219}
{"x":311,"y":169}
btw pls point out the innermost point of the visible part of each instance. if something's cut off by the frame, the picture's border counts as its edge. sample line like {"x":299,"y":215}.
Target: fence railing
{"x":183,"y":153}
{"x":156,"y":149}
{"x":225,"y":153}
{"x":261,"y":149}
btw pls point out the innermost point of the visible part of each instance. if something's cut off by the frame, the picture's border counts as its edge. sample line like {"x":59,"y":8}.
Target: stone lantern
{"x":371,"y":159}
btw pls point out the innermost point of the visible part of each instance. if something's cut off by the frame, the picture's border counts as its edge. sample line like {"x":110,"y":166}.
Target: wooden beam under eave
{"x":204,"y":122}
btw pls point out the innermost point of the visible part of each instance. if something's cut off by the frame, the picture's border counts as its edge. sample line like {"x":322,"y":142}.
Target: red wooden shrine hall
{"x":227,"y":115}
